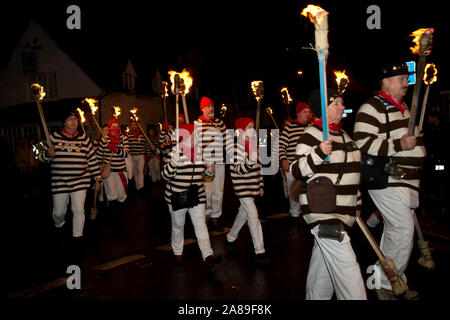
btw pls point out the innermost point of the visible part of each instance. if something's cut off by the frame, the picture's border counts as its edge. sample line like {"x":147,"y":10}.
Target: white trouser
{"x":214,"y":192}
{"x":138,"y":165}
{"x":294,"y":204}
{"x":60,"y":202}
{"x":114,"y":188}
{"x":197,"y":214}
{"x":397,"y":208}
{"x":333,"y":267}
{"x":154,"y":167}
{"x":248,"y":212}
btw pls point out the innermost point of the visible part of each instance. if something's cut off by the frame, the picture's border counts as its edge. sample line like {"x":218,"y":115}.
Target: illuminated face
{"x":181,"y":120}
{"x":304,"y":115}
{"x":335,"y":110}
{"x":208,"y":111}
{"x":115,"y":125}
{"x":71,"y":123}
{"x":396,"y":86}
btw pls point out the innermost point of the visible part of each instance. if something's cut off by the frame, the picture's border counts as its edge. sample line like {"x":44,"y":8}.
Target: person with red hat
{"x":248,"y":183}
{"x":287,"y":147}
{"x":211,"y":133}
{"x":73,"y":163}
{"x":184,"y":173}
{"x":113,"y":150}
{"x":140,"y":151}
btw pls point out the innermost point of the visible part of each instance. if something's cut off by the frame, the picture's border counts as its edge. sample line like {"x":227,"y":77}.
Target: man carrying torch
{"x":73,"y":162}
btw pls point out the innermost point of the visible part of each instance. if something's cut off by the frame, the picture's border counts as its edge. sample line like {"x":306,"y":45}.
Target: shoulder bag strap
{"x":341,"y":173}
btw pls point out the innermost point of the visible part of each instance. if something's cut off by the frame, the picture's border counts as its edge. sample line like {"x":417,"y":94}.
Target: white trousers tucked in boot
{"x":60,"y":202}
{"x":397,"y":207}
{"x":294,"y":204}
{"x":138,"y":165}
{"x":155,"y":169}
{"x":114,"y":188}
{"x":333,"y":268}
{"x":214,"y":192}
{"x":248,"y":212}
{"x":197,"y":214}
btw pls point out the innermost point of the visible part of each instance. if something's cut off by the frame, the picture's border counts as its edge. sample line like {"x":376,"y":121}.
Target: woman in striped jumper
{"x":184,"y":169}
{"x":140,"y":151}
{"x":333,"y":266}
{"x":73,"y":164}
{"x":113,"y":150}
{"x":248,"y":183}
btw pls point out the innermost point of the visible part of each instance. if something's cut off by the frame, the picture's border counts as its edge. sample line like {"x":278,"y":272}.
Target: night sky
{"x":231,"y":43}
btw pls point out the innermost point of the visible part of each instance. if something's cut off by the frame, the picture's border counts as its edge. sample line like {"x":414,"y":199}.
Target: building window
{"x":29,"y":62}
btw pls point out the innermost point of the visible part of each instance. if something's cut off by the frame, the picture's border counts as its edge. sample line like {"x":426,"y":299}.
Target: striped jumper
{"x":289,"y":140}
{"x":165,"y":144}
{"x":246,"y":176}
{"x":213,"y":137}
{"x":139,"y":146}
{"x":115,"y":159}
{"x":370,"y":136}
{"x":310,"y":164}
{"x":181,"y":175}
{"x":74,"y":163}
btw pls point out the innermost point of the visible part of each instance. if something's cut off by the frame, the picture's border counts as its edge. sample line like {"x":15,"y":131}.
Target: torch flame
{"x":269,"y":110}
{"x":93,"y":104}
{"x":81,"y":112}
{"x":116,"y":112}
{"x":186,"y":80}
{"x":288,"y":97}
{"x":314,"y":13}
{"x":429,"y":78}
{"x":417,"y":35}
{"x":164,"y":91}
{"x":39,"y":90}
{"x":255,"y":88}
{"x":133,"y":114}
{"x":342,"y":80}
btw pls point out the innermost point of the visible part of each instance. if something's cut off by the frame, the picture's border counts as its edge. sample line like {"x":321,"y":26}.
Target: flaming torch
{"x":423,"y":39}
{"x":93,"y":105}
{"x":258,"y":91}
{"x":39,"y":94}
{"x":116,"y":112}
{"x":342,"y":81}
{"x":135,"y":118}
{"x":184,"y":86}
{"x":223,"y":110}
{"x":83,"y":119}
{"x":429,"y":77}
{"x":319,"y":17}
{"x":164,"y":95}
{"x":286,"y":100}
{"x":176,"y":90}
{"x":270,"y":113}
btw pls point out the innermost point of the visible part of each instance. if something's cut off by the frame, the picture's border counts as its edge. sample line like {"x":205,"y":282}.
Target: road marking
{"x":168,"y":247}
{"x":40,"y":289}
{"x":118,"y":262}
{"x":278,"y":216}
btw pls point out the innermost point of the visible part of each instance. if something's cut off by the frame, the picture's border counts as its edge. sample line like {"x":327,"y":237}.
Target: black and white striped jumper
{"x":310,"y":165}
{"x":139,"y":146}
{"x":74,"y":163}
{"x":165,"y":144}
{"x":289,"y":140}
{"x":180,"y":175}
{"x":213,"y":138}
{"x":246,"y":176}
{"x":115,"y":159}
{"x":370,"y":136}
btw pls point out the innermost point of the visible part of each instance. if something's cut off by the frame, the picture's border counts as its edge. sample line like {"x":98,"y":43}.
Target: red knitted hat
{"x":300,"y":107}
{"x":112,"y":121}
{"x":187,"y":126}
{"x":205,"y":102}
{"x":243,"y":122}
{"x":180,"y":115}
